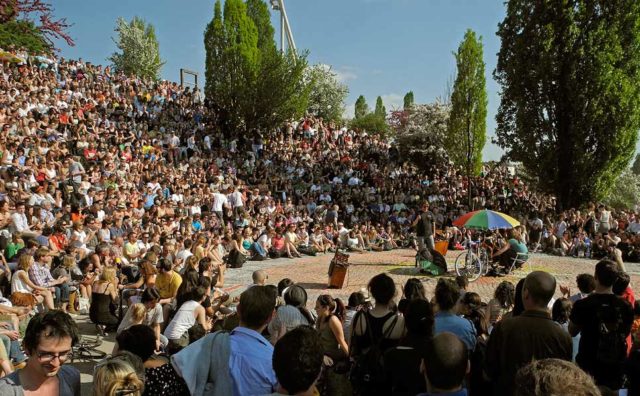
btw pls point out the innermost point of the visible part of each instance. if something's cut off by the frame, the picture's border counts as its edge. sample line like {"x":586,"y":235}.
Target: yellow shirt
{"x":168,"y":284}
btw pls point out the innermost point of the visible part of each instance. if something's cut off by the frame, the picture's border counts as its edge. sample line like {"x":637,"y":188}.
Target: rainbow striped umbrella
{"x":486,"y":220}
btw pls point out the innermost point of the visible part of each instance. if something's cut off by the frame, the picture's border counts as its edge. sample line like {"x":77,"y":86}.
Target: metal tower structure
{"x":285,"y":28}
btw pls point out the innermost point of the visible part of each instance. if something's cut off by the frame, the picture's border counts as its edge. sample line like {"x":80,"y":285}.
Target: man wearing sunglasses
{"x":48,"y":342}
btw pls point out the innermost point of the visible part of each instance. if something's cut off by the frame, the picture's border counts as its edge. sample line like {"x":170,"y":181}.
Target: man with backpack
{"x":604,"y":322}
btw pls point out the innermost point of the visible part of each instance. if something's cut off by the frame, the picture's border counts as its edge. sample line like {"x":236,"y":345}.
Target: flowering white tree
{"x":625,"y":193}
{"x":140,"y":51}
{"x":327,"y":94}
{"x":421,"y":132}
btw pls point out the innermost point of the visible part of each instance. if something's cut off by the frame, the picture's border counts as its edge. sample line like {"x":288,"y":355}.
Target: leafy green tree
{"x":249,"y":84}
{"x":361,"y":107}
{"x":139,"y":49}
{"x":570,"y":101}
{"x":408,"y":100}
{"x":380,"y":111}
{"x":625,"y":193}
{"x":372,"y":123}
{"x":468,"y":121}
{"x":327,"y":95}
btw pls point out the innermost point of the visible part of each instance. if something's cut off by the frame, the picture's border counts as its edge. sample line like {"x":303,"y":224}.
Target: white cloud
{"x":345,"y":74}
{"x":392,"y":101}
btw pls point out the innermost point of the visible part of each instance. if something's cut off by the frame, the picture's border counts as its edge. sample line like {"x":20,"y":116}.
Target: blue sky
{"x":377,"y":47}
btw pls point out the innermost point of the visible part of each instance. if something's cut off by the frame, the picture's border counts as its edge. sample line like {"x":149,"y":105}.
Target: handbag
{"x":83,"y":305}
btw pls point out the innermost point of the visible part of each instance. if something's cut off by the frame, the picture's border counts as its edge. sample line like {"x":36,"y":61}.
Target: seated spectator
{"x":291,"y":315}
{"x":604,"y":322}
{"x":167,"y":282}
{"x":502,"y":302}
{"x":242,"y":360}
{"x":297,"y":362}
{"x":402,"y":363}
{"x":160,"y":377}
{"x":152,"y":316}
{"x":104,"y":297}
{"x":26,"y":293}
{"x":553,"y":377}
{"x":446,"y":297}
{"x":510,"y":250}
{"x":188,"y":314}
{"x":516,"y":341}
{"x":40,"y":275}
{"x":49,"y":339}
{"x":446,"y":363}
{"x":119,"y":375}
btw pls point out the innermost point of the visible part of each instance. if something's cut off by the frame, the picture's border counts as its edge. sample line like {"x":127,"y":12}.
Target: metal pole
{"x":282,"y":28}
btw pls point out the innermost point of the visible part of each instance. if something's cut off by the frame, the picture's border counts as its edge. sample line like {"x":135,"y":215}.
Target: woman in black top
{"x":381,"y":326}
{"x":160,"y":377}
{"x":402,"y":363}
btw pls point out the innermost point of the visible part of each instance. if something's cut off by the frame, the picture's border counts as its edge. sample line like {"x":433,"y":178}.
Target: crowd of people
{"x":117,"y":192}
{"x":522,"y":342}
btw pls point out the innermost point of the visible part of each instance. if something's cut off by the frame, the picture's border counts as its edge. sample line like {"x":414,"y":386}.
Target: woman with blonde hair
{"x":24,"y":292}
{"x":119,"y":375}
{"x":146,"y":280}
{"x":103,"y":300}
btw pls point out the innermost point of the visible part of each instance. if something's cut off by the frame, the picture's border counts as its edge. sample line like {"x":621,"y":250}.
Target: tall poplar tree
{"x":468,"y":120}
{"x":570,"y":100}
{"x":408,"y":100}
{"x":361,"y":107}
{"x":380,"y":111}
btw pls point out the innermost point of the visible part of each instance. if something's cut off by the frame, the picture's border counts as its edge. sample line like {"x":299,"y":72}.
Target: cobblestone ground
{"x":311,"y":272}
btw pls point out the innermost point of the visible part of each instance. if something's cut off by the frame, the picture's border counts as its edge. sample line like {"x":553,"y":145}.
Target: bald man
{"x":445,"y":363}
{"x":532,"y":335}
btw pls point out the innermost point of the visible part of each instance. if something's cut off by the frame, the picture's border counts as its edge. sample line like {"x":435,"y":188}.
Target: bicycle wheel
{"x":469,"y":265}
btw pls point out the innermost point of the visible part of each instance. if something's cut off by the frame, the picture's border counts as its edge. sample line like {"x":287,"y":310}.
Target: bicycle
{"x":473,"y":263}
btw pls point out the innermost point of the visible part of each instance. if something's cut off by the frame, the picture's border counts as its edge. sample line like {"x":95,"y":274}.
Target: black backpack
{"x":367,"y":373}
{"x":612,"y":344}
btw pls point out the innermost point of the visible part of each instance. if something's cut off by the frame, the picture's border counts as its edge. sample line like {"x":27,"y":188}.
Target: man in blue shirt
{"x":447,"y":294}
{"x":445,"y":363}
{"x":250,"y":361}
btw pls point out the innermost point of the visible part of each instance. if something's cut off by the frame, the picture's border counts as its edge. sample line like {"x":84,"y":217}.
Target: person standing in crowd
{"x":446,"y":319}
{"x":48,"y":341}
{"x":516,"y":341}
{"x":425,"y":226}
{"x":330,"y":314}
{"x":445,"y":363}
{"x":380,"y":328}
{"x":402,"y":363}
{"x":554,"y":377}
{"x":604,"y":322}
{"x":297,"y":362}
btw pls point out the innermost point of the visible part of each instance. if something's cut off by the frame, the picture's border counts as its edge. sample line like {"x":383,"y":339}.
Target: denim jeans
{"x":62,"y":292}
{"x":13,"y":348}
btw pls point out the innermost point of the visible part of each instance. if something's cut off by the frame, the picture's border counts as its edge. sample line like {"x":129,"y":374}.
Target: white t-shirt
{"x":219,"y":200}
